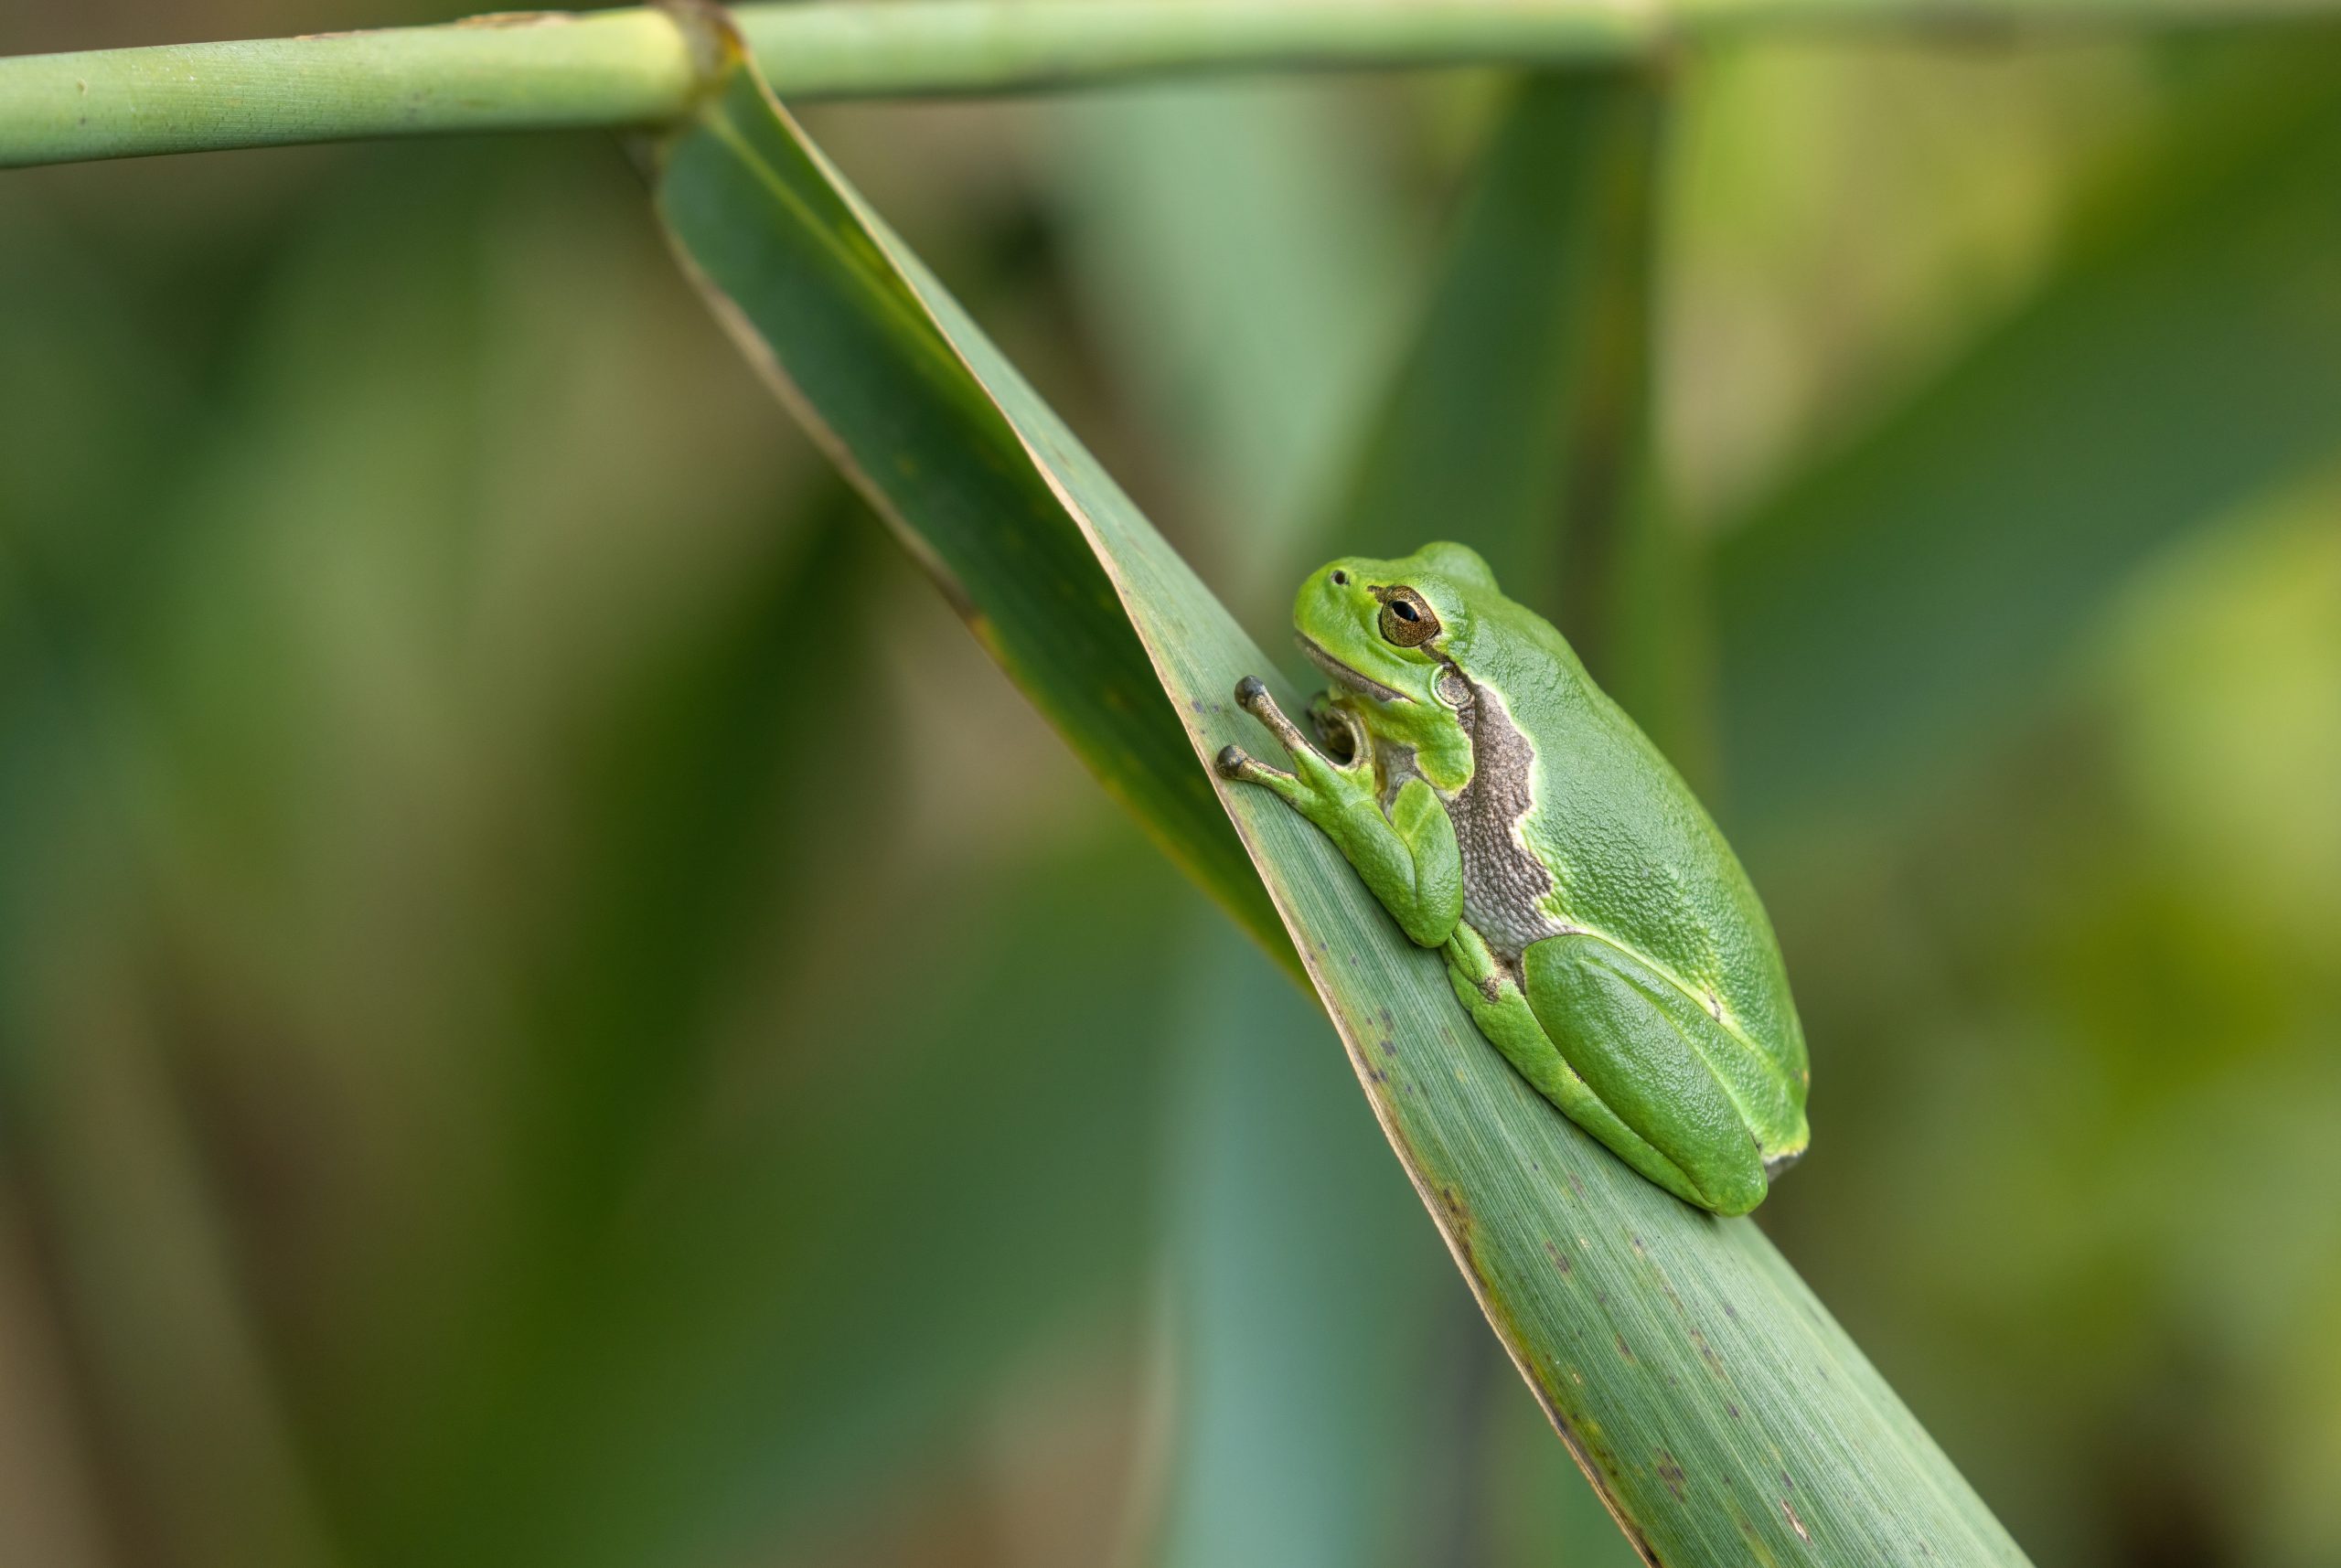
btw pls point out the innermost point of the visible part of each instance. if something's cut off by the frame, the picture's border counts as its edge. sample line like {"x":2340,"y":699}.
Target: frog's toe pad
{"x":1235,"y":763}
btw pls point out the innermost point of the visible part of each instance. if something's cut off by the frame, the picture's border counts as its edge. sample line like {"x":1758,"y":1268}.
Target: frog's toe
{"x":1236,"y":762}
{"x":1252,"y":696}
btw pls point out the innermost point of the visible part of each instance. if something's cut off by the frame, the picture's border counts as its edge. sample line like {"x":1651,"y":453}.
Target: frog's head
{"x":1384,"y":629}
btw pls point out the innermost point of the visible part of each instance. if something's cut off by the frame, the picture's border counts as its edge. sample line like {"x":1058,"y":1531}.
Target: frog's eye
{"x":1408,"y":618}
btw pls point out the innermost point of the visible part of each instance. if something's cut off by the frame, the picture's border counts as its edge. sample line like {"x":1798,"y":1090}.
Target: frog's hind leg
{"x":1644,"y":1048}
{"x":1497,"y":1004}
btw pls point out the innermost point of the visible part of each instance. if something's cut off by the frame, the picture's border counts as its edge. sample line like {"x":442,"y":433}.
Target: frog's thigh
{"x":1497,"y":1006}
{"x":1626,"y":1030}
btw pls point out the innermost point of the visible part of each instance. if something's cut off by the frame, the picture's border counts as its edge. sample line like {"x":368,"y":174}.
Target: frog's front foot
{"x":1318,"y":783}
{"x":1409,"y":859}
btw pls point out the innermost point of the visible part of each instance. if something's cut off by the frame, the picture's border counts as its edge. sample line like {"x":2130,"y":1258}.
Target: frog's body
{"x":1594,"y":920}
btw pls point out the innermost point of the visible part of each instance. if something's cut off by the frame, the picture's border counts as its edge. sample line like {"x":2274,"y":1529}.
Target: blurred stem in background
{"x":642,"y":67}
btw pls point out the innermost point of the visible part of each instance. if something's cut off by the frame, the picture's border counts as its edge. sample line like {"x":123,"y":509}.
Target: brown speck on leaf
{"x":1671,"y":1472}
{"x":1560,"y":1259}
{"x":1733,"y":1408}
{"x":1388,"y":1049}
{"x":1795,"y":1524}
{"x":1623,"y":1348}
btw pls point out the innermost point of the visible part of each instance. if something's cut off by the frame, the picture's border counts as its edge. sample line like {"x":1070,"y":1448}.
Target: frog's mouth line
{"x":1346,"y":676}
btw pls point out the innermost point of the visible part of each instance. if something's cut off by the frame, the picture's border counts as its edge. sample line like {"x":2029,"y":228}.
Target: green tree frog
{"x":1507,"y":812}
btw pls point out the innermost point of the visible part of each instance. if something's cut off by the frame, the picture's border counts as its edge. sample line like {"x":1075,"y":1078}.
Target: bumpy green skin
{"x":1594,"y":920}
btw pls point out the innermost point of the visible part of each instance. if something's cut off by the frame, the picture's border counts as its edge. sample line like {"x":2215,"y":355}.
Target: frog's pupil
{"x":1340,"y":579}
{"x":1405,"y":611}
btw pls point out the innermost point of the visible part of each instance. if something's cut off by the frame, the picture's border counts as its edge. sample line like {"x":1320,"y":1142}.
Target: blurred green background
{"x":555,"y":1009}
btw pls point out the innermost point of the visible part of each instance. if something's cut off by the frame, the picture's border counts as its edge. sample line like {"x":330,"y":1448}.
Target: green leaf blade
{"x":1722,"y":1414}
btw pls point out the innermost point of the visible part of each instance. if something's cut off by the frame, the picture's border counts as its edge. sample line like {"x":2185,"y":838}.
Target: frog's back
{"x":1634,"y":856}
